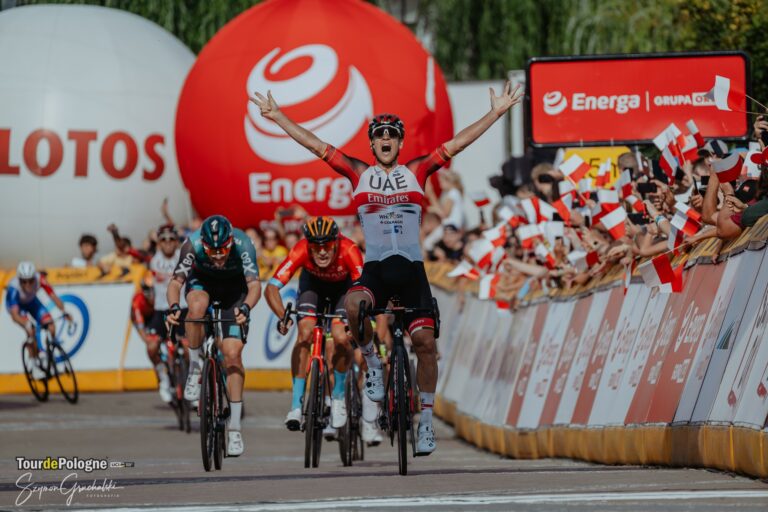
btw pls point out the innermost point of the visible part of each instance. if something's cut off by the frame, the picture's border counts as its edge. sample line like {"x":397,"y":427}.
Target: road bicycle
{"x":315,"y":413}
{"x":51,"y":362}
{"x":213,"y":407}
{"x":400,"y":396}
{"x":174,"y":358}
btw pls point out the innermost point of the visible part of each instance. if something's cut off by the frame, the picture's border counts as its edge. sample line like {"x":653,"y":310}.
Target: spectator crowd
{"x":563,"y":225}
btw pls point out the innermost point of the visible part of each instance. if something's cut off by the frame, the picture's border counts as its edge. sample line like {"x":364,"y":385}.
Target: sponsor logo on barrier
{"x":274,"y":342}
{"x":71,"y":335}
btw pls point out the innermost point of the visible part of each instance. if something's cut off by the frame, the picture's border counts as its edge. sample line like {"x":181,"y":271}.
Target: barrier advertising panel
{"x":567,"y":354}
{"x":548,"y":353}
{"x":604,"y":410}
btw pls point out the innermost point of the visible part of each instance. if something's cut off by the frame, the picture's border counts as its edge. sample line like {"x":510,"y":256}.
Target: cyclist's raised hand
{"x":66,"y":316}
{"x":268,"y":106}
{"x":284,"y":327}
{"x":507,"y":99}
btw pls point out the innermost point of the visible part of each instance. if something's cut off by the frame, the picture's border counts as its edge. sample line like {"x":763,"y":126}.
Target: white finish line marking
{"x":432,"y":501}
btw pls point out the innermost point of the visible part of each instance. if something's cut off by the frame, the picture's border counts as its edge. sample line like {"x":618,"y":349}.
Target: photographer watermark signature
{"x":69,"y":487}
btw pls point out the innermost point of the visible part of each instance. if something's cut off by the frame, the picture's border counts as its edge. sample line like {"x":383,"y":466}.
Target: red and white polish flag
{"x":667,"y":136}
{"x":537,"y":210}
{"x":481,"y":252}
{"x":489,"y":286}
{"x":606,"y":196}
{"x":628,"y":271}
{"x":545,"y":256}
{"x":564,"y":205}
{"x":575,"y":168}
{"x":725,"y":96}
{"x":624,"y":183}
{"x":552,"y":230}
{"x":583,"y":261}
{"x":497,"y":235}
{"x":603,"y":174}
{"x":729,"y":167}
{"x":685,"y":224}
{"x":636,"y":203}
{"x":669,"y":164}
{"x":689,"y":149}
{"x":464,"y":269}
{"x":694,"y":130}
{"x":675,"y":238}
{"x":480,"y":198}
{"x":659,"y":272}
{"x":688,"y":211}
{"x":527,"y":234}
{"x":614,"y":222}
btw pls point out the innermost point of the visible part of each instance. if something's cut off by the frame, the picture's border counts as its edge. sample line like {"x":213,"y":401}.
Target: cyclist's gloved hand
{"x":174,"y":313}
{"x":284,"y":327}
{"x":67,"y":317}
{"x":242,"y":313}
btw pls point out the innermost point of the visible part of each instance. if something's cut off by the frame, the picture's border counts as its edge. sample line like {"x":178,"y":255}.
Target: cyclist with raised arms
{"x":330,"y":262}
{"x":388,"y":197}
{"x":21,"y":300}
{"x":218,"y":263}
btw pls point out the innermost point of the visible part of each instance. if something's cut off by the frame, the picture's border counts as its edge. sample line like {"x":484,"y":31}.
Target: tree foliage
{"x":483,"y":39}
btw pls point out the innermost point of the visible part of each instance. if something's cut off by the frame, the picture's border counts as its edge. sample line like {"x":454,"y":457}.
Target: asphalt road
{"x":168,"y":472}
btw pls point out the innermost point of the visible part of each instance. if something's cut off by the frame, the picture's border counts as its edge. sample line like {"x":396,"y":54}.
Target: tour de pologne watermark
{"x":69,"y":486}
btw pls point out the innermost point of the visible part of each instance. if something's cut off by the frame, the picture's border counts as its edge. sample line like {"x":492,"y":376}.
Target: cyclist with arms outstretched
{"x":218,"y":263}
{"x":388,"y":197}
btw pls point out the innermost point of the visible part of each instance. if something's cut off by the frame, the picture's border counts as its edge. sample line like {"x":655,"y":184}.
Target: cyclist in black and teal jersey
{"x":218,"y":263}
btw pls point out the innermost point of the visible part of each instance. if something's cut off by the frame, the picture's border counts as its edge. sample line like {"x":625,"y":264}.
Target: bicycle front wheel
{"x":38,"y":386}
{"x":207,"y":414}
{"x":310,"y":418}
{"x":401,"y":410}
{"x":218,"y":450}
{"x":65,"y":374}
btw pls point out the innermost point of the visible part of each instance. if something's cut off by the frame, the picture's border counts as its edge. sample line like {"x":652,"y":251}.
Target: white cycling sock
{"x":235,"y":411}
{"x":369,"y":352}
{"x":427,"y":401}
{"x":194,"y":358}
{"x":162,"y":374}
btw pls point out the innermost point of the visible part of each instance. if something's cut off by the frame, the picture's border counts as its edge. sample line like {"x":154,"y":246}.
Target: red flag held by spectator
{"x":729,"y":167}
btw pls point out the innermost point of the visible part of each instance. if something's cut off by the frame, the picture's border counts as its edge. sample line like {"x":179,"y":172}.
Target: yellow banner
{"x":597,"y":155}
{"x":90,"y":275}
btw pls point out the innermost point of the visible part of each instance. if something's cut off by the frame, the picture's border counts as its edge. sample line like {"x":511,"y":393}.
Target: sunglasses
{"x":168,"y":238}
{"x":27,"y":281}
{"x":221,"y":251}
{"x":386,"y":130}
{"x":327,"y":247}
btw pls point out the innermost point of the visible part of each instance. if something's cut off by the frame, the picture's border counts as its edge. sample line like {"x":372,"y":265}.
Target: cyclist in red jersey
{"x":330,"y":262}
{"x":388,"y":196}
{"x":142,"y":311}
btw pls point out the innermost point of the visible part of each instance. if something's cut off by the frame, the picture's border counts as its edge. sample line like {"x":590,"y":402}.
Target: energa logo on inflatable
{"x":330,"y":70}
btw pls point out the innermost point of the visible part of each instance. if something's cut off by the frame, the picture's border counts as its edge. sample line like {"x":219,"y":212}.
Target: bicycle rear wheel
{"x":182,"y":369}
{"x":39,"y":387}
{"x":65,"y":374}
{"x":401,"y":411}
{"x":207,"y":414}
{"x":310,"y":417}
{"x":346,"y":436}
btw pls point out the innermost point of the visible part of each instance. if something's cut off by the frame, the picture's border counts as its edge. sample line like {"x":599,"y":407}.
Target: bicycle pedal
{"x":422,"y":454}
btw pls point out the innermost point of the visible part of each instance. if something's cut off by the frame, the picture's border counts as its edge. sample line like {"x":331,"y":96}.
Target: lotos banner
{"x":311,"y":58}
{"x":629,"y":99}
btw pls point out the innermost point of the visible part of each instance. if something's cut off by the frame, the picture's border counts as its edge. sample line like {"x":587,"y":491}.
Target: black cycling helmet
{"x":388,"y":121}
{"x":216,"y":233}
{"x":319,"y":230}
